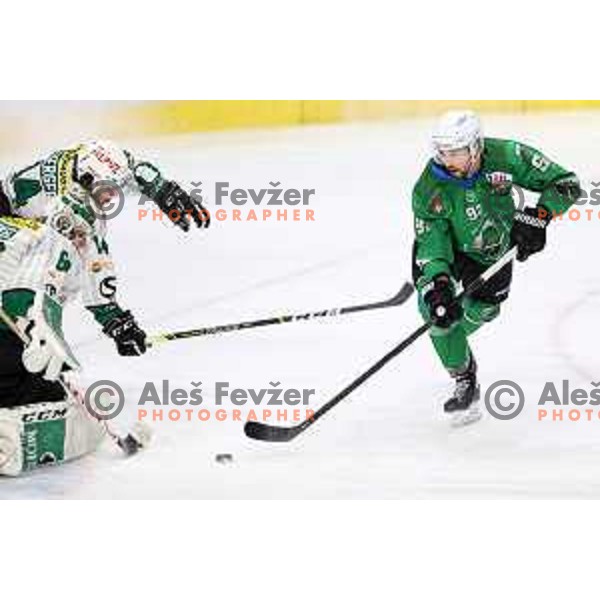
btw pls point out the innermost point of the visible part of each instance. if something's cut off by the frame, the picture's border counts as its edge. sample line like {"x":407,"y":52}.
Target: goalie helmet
{"x":457,"y":130}
{"x":101,"y":162}
{"x":74,"y":221}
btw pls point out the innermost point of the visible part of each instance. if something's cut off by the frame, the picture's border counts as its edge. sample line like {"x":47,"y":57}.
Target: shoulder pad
{"x":428,"y":198}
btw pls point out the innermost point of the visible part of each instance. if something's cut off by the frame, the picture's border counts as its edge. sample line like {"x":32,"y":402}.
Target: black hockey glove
{"x":180,"y":207}
{"x":444,"y":310}
{"x":528,"y":232}
{"x":130,"y":339}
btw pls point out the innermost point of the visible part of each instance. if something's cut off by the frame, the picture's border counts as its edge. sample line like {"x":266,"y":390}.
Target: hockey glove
{"x":528,"y":232}
{"x":129,"y":338}
{"x":47,"y":352}
{"x":441,"y":302}
{"x":179,"y":206}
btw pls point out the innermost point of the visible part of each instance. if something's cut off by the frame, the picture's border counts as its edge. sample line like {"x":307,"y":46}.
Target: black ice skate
{"x":463,"y":406}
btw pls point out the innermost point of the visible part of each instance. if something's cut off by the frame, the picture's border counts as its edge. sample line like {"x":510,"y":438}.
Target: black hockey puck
{"x":129,"y":445}
{"x":224,"y":458}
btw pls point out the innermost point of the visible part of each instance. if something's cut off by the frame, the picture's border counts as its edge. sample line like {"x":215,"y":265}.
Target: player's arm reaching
{"x":86,"y":170}
{"x":558,"y":189}
{"x":181,"y":207}
{"x":432,"y":260}
{"x":99,"y":292}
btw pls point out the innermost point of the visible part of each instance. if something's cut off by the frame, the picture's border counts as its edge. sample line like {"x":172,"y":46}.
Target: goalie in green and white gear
{"x":39,"y":271}
{"x":73,"y":189}
{"x":95,"y":173}
{"x":43,"y":267}
{"x":69,"y":191}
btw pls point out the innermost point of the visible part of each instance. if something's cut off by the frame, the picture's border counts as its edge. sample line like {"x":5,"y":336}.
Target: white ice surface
{"x":388,"y":439}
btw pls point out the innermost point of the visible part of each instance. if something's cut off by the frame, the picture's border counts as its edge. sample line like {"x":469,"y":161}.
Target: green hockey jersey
{"x":474,"y":216}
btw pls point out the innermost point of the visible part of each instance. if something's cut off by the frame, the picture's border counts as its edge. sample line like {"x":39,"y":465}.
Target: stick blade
{"x":269,"y":433}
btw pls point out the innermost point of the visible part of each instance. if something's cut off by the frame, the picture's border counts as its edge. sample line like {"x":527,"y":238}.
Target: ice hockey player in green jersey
{"x":465,"y":219}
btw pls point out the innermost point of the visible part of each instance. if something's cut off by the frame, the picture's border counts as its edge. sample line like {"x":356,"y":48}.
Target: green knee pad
{"x":476,"y":313}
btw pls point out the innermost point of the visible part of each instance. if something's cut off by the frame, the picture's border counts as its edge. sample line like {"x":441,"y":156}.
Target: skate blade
{"x":466,"y":417}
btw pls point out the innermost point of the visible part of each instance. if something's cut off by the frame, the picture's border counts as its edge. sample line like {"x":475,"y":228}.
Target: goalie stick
{"x":274,"y":433}
{"x":402,"y":296}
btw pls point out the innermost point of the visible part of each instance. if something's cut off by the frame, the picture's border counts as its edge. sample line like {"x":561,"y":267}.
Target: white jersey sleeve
{"x":37,"y":258}
{"x":98,"y":281}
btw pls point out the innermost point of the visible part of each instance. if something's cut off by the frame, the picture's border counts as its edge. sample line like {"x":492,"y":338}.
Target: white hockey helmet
{"x":101,"y":161}
{"x":72,"y":219}
{"x":457,"y":130}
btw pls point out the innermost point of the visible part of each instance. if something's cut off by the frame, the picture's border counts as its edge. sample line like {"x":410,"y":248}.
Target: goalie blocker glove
{"x":528,"y":232}
{"x":440,"y":299}
{"x":129,"y":338}
{"x":179,"y":206}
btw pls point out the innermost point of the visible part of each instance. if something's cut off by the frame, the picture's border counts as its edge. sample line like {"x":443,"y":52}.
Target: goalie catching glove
{"x":47,"y":352}
{"x":179,"y":206}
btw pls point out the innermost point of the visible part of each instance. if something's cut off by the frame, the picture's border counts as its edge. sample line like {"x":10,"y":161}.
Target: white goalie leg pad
{"x":84,"y":433}
{"x":10,"y":445}
{"x":36,"y":435}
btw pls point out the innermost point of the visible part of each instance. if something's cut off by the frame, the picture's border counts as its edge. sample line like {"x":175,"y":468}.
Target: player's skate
{"x":463,"y":406}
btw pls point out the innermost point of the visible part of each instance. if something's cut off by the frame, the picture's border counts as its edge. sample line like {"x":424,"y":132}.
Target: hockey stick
{"x":127,"y":443}
{"x":274,"y":433}
{"x":402,"y":296}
